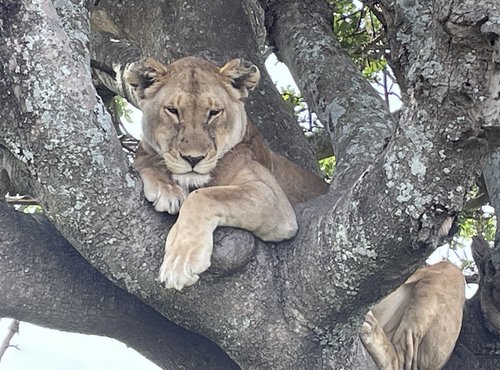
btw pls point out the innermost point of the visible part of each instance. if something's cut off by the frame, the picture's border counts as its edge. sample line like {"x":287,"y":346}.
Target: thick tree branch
{"x":39,"y":269}
{"x":388,"y":219}
{"x":352,"y":111}
{"x":271,"y":305}
{"x":492,"y":178}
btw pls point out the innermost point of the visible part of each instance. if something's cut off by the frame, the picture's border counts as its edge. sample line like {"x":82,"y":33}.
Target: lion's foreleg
{"x":255,"y":203}
{"x":159,"y":188}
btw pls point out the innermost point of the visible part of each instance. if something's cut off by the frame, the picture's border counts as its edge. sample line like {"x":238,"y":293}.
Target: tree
{"x":397,"y":188}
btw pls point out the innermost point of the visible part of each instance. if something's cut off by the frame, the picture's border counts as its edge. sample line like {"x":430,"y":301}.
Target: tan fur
{"x":416,"y":326}
{"x":201,"y":157}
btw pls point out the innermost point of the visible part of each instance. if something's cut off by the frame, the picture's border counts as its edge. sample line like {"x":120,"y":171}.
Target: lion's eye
{"x":172,"y":110}
{"x":215,"y":112}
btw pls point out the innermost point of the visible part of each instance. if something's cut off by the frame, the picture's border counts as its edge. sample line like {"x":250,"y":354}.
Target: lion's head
{"x":192,"y":112}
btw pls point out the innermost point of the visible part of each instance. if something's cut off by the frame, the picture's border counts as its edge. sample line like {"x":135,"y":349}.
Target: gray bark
{"x":492,"y":179}
{"x":351,"y":110}
{"x":297,"y":304}
{"x":437,"y":134}
{"x":44,"y":280}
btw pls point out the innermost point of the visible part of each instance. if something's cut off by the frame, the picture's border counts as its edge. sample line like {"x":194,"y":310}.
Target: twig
{"x":360,"y":20}
{"x":386,"y":88}
{"x":347,"y":16}
{"x":13,"y":329}
{"x":21,"y":199}
{"x":472,"y":279}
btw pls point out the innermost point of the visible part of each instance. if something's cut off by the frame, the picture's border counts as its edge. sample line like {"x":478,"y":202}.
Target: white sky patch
{"x":134,"y":126}
{"x":280,"y":74}
{"x":48,"y":349}
{"x":456,"y":256}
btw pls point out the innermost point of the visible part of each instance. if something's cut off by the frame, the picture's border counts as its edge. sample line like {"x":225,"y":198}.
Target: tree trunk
{"x":297,"y":304}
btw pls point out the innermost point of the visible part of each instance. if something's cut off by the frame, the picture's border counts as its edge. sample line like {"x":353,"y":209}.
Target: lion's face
{"x":192,"y":112}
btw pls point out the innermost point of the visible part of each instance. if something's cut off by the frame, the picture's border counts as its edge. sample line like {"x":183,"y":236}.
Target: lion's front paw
{"x":186,"y":256}
{"x":166,"y":197}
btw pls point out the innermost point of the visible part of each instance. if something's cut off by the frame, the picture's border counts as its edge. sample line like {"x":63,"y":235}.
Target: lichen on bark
{"x":297,"y":304}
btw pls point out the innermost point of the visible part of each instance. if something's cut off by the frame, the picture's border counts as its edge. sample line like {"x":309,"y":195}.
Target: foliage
{"x":477,"y":220}
{"x":293,"y":98}
{"x":327,"y":166}
{"x":121,"y":108}
{"x":306,"y":119}
{"x":32,"y":208}
{"x":360,"y":31}
{"x":361,"y":34}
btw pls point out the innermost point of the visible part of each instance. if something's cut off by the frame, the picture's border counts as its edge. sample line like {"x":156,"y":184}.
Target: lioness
{"x":201,"y":157}
{"x":416,"y":326}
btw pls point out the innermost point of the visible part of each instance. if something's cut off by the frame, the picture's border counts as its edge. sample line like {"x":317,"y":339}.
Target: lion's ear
{"x":142,"y":75}
{"x":243,"y":75}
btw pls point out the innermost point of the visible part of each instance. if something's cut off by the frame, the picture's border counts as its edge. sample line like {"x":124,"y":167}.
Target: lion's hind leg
{"x":377,"y":344}
{"x":422,"y":318}
{"x":392,"y":333}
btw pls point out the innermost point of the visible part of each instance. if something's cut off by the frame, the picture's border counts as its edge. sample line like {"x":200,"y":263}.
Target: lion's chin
{"x":191,"y":180}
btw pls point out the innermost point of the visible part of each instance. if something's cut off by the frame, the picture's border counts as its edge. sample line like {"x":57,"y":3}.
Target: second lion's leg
{"x":377,"y":344}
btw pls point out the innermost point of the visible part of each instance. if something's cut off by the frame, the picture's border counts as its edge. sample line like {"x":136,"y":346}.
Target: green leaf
{"x":32,"y":208}
{"x":327,"y":166}
{"x":122,"y":108}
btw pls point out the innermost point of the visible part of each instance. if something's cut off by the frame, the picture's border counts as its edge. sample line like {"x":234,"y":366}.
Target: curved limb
{"x":253,"y":201}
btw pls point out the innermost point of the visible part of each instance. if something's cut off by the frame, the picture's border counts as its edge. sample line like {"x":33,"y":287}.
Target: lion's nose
{"x":193,"y":161}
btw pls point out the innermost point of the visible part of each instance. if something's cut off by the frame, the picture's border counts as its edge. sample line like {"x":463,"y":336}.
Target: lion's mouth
{"x":191,"y":165}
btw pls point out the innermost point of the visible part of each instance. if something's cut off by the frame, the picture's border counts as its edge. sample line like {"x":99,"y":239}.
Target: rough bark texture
{"x":489,"y":291}
{"x":397,"y":186}
{"x":416,"y":177}
{"x":45,"y":281}
{"x":351,"y":109}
